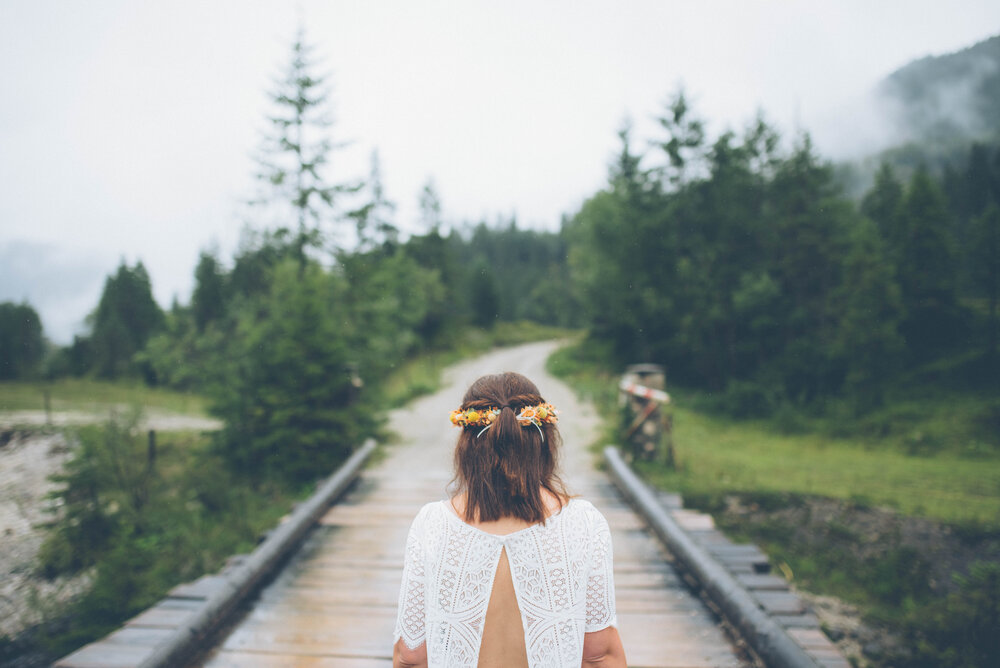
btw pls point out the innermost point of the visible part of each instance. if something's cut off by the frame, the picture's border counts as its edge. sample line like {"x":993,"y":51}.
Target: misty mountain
{"x":946,"y":99}
{"x":927,"y":112}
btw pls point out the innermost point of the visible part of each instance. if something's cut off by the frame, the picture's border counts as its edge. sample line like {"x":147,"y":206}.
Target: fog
{"x":898,"y":110}
{"x":127,"y":127}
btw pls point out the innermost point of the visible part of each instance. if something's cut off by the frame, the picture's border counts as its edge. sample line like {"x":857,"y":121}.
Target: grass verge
{"x":88,"y":395}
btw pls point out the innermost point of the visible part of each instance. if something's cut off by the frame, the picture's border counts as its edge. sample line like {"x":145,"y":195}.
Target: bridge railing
{"x":771,"y":642}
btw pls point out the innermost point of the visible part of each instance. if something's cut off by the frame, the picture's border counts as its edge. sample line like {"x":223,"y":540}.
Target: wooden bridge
{"x":334,"y":602}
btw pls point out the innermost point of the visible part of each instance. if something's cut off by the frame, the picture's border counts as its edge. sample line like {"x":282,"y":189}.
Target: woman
{"x":511,"y":571}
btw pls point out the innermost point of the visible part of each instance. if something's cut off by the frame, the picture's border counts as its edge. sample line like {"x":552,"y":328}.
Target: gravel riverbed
{"x":27,"y":459}
{"x":33,"y":447}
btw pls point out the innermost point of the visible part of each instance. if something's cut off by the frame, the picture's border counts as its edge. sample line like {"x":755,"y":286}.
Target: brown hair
{"x":504,"y":469}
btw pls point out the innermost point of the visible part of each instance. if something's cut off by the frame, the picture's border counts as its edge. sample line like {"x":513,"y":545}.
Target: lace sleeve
{"x":601,"y":581}
{"x":411,"y":613}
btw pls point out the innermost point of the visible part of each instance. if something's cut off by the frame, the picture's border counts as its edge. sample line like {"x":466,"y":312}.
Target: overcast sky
{"x":126,"y":127}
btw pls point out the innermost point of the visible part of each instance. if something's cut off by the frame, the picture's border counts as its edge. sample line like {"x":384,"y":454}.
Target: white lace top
{"x":563,"y":581}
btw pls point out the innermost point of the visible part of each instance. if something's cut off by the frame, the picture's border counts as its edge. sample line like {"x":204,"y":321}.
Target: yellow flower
{"x":472,"y":416}
{"x":542,"y":413}
{"x":528,"y":414}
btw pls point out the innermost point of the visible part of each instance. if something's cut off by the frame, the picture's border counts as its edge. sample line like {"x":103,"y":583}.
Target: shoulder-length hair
{"x":504,"y":469}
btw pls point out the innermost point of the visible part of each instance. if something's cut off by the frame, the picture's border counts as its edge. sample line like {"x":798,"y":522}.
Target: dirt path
{"x":421,"y":422}
{"x":152,"y":419}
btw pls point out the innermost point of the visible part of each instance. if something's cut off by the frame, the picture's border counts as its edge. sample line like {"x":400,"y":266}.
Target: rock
{"x":873,"y":649}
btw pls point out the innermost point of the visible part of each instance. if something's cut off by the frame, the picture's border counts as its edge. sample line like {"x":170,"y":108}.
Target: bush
{"x":144,"y":526}
{"x":108,"y":482}
{"x":747,"y":399}
{"x":961,"y":631}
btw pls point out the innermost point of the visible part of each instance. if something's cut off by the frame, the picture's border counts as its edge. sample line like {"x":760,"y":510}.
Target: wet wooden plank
{"x":160,"y":616}
{"x":132,"y":635}
{"x":811,"y":638}
{"x":231,"y":659}
{"x":780,"y":603}
{"x":803,"y":621}
{"x":693,"y":520}
{"x":105,"y":655}
{"x":201,"y":588}
{"x":763,"y":582}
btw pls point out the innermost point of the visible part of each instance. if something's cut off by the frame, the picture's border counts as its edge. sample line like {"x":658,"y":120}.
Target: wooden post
{"x":643,"y":395}
{"x":668,"y":440}
{"x":47,"y":397}
{"x":356,"y":383}
{"x":151,"y":451}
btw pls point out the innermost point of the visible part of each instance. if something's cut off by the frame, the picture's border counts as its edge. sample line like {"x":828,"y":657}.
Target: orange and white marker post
{"x":648,"y":436}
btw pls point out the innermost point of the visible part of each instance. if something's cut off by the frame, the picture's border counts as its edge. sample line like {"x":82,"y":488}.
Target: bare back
{"x":503,"y":634}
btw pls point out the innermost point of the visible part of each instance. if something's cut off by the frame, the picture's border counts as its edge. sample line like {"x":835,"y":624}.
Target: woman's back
{"x":560,"y":574}
{"x":511,"y":572}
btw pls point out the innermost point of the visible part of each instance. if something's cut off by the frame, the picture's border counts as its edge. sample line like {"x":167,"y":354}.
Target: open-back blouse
{"x":563,"y":581}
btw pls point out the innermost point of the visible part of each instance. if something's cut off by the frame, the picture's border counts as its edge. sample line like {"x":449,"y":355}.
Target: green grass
{"x":79,"y":394}
{"x":936,"y":459}
{"x":716,"y":456}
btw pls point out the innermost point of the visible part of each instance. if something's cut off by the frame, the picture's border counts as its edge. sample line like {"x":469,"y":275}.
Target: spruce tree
{"x":986,"y":266}
{"x":871,"y":308}
{"x":373,"y":220}
{"x":685,"y":138}
{"x":125,"y":318}
{"x":21,"y":342}
{"x":208,"y":301}
{"x":927,"y":269}
{"x":882,"y":205}
{"x":296,"y":153}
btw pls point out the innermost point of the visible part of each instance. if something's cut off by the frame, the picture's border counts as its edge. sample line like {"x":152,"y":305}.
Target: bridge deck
{"x":335,"y":603}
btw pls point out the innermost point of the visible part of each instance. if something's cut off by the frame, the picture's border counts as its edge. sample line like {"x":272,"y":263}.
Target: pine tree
{"x":485,"y":297}
{"x":882,"y":205}
{"x":208,"y":301}
{"x":807,"y":245}
{"x":295,"y":156}
{"x":685,"y":138}
{"x":21,"y":342}
{"x":125,"y":318}
{"x":927,"y":268}
{"x":285,"y":392}
{"x":986,"y":265}
{"x":373,"y":220}
{"x":430,"y":208}
{"x":871,"y":309}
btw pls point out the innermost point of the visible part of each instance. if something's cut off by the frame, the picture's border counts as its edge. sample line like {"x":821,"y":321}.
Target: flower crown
{"x":529,"y":415}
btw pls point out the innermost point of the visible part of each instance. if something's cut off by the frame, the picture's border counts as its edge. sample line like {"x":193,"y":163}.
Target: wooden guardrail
{"x":180,"y":624}
{"x":767,"y":638}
